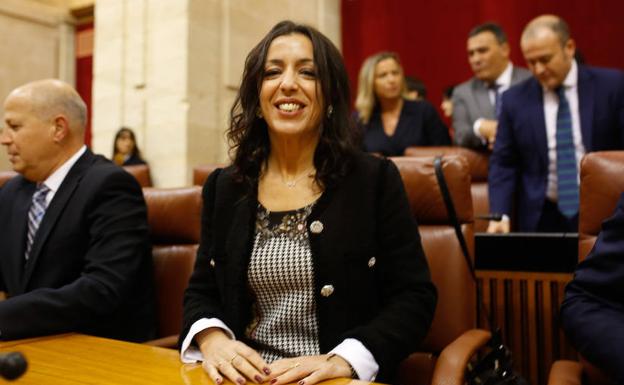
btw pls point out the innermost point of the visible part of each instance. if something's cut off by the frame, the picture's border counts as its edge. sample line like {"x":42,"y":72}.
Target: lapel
{"x":585,"y":92}
{"x":482,"y":98}
{"x":55,"y":209}
{"x":515,"y":77}
{"x":17,"y":244}
{"x":240,"y":239}
{"x":536,"y":113}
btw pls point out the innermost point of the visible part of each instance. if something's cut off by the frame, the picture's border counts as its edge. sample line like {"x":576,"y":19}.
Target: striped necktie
{"x":567,"y":174}
{"x":35,"y":214}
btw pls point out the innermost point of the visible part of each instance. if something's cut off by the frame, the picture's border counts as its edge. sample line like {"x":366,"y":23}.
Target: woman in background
{"x":388,"y":122}
{"x":125,"y":150}
{"x":310,"y":265}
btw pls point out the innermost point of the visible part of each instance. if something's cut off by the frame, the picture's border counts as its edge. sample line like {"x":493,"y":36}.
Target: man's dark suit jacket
{"x":419,"y":125}
{"x":90,"y":267}
{"x":519,"y":162}
{"x":386,"y":303}
{"x":593,"y":308}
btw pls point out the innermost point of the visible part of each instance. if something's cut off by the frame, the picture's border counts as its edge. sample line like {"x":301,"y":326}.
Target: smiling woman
{"x":270,"y":298}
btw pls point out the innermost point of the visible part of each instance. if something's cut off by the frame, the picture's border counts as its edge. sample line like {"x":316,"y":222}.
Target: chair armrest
{"x":565,"y":373}
{"x":170,"y":342}
{"x":450,"y":368}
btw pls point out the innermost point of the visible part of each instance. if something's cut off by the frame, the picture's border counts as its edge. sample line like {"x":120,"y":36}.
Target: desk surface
{"x":70,"y":359}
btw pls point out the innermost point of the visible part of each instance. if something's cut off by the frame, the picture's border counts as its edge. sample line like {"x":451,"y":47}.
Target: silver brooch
{"x":327,"y":290}
{"x":316,"y":227}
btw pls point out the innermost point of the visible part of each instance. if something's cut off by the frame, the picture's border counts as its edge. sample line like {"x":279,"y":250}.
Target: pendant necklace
{"x":293,"y":183}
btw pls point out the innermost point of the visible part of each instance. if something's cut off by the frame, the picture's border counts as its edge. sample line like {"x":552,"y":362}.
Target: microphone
{"x":12,"y":365}
{"x":490,"y":217}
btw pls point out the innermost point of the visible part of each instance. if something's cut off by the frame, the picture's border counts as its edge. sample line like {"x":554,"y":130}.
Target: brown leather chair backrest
{"x":5,"y":176}
{"x":602,"y":183}
{"x":477,"y":167}
{"x":456,"y":309}
{"x":142,"y":174}
{"x":201,"y":172}
{"x":174,"y":217}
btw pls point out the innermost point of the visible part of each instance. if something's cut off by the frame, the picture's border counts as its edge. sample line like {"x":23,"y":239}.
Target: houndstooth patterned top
{"x":281,"y":277}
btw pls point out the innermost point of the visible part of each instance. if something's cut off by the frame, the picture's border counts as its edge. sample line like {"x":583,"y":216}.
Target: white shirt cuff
{"x":191,"y":353}
{"x":477,"y":132}
{"x":505,"y":218}
{"x":360,"y":358}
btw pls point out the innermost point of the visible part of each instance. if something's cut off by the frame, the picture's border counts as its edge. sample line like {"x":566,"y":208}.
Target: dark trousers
{"x":552,"y":221}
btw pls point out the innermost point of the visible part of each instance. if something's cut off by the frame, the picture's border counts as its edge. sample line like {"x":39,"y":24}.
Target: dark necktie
{"x":567,"y":174}
{"x":497,"y":102}
{"x":35,"y":214}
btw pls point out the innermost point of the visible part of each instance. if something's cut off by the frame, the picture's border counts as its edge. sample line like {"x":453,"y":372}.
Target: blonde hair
{"x":366,"y":99}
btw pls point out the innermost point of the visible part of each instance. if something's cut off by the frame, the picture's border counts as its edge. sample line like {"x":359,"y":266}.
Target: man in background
{"x":475,"y":102}
{"x":545,"y":127}
{"x":75,"y":253}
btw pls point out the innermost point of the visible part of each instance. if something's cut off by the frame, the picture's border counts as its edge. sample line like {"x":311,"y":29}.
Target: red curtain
{"x":430,"y":36}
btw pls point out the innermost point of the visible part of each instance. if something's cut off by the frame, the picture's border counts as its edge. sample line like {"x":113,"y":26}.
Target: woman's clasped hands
{"x":237,"y":362}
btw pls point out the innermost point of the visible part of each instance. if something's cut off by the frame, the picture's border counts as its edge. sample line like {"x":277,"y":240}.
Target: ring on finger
{"x":232,"y":359}
{"x":294,"y":365}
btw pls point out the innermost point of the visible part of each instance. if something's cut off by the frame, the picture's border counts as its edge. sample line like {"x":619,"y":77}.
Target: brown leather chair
{"x":5,"y":176}
{"x":477,"y":167}
{"x":601,"y":187}
{"x":201,"y":172}
{"x":174,"y":217}
{"x":453,"y":339}
{"x":142,"y":174}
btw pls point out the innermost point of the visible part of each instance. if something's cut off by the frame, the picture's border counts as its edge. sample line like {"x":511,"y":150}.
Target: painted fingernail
{"x":258,"y":378}
{"x":219,"y":380}
{"x":266,"y":371}
{"x":301,"y":382}
{"x":240,"y":380}
{"x":273,"y":381}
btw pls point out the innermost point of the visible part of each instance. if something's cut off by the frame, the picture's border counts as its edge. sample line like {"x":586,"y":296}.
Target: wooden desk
{"x":71,"y":359}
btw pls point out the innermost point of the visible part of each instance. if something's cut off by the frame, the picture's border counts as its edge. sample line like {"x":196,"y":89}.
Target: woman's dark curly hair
{"x":248,"y":134}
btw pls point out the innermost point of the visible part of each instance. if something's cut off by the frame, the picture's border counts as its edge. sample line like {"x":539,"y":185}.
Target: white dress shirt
{"x":551,"y":104}
{"x":53,"y":182}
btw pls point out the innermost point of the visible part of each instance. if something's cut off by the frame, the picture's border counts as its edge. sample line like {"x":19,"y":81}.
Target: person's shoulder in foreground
{"x":593,"y":308}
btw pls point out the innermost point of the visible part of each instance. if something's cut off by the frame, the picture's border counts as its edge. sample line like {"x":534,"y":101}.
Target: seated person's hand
{"x":230,"y":358}
{"x":501,"y":226}
{"x":309,"y":370}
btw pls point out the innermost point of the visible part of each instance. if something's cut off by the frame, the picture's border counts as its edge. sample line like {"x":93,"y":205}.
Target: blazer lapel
{"x":54,"y":210}
{"x":17,"y":246}
{"x":585,"y":91}
{"x":539,"y":123}
{"x":483,"y":100}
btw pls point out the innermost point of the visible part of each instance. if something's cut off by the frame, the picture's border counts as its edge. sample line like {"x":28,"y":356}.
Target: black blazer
{"x":387,"y":303}
{"x":419,"y":125}
{"x":90,"y":267}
